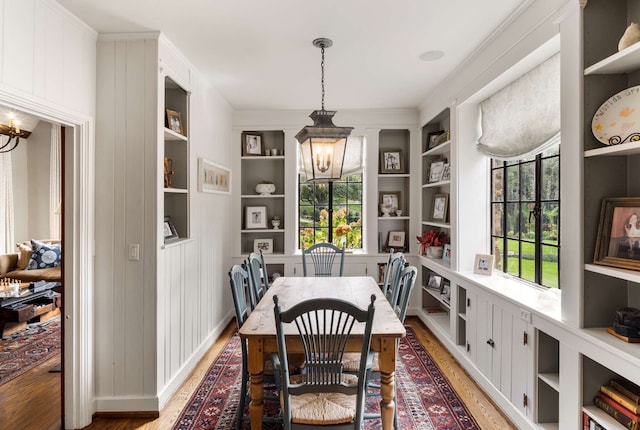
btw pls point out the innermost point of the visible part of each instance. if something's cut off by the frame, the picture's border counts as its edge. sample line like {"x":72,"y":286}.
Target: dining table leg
{"x":255,"y":348}
{"x":387,"y":357}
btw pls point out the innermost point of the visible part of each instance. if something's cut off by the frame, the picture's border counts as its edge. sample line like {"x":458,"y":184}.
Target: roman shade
{"x":523,"y":118}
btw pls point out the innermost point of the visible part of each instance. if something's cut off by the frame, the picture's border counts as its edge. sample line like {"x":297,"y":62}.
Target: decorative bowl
{"x":265,"y":189}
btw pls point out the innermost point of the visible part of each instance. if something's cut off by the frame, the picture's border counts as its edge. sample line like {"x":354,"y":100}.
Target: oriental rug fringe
{"x":426,"y":400}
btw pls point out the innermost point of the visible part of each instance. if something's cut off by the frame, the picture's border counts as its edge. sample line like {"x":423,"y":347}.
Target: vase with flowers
{"x":432,"y":243}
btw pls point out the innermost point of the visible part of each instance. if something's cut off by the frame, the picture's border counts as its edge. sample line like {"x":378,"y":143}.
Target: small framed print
{"x":255,"y":217}
{"x":436,"y":169}
{"x":174,"y":122}
{"x":446,"y":172}
{"x":252,"y":144}
{"x":445,"y":292}
{"x":391,"y":161}
{"x":618,"y":239}
{"x":435,"y":282}
{"x":170,"y":232}
{"x":446,"y":253}
{"x":432,"y":139}
{"x":440,"y":205}
{"x":396,"y":239}
{"x":483,"y":264}
{"x":392,"y":198}
{"x":264,"y":245}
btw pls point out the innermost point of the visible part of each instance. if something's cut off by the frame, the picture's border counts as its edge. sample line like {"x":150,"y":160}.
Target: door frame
{"x":79,"y":204}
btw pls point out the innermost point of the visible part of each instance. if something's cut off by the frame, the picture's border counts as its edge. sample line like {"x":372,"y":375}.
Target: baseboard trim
{"x":126,"y":404}
{"x":127,"y":414}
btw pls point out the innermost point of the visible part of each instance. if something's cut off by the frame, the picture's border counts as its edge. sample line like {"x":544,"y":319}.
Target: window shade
{"x":524,"y":117}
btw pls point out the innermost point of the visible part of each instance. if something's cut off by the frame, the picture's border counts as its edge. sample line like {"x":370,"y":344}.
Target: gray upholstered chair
{"x":323,"y":396}
{"x":322,"y":256}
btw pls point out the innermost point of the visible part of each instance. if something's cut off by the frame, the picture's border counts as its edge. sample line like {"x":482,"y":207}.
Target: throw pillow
{"x":44,"y":255}
{"x":24,"y":254}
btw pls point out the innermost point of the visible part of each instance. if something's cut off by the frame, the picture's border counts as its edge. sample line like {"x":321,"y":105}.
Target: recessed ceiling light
{"x":431,"y":55}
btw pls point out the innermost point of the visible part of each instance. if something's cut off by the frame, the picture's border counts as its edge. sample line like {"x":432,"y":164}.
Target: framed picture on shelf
{"x":170,"y":232}
{"x":252,"y":144}
{"x":446,"y":172}
{"x":432,"y":139}
{"x":435,"y":282}
{"x":392,"y":198}
{"x":264,"y":245}
{"x":213,"y":178}
{"x":396,"y":239}
{"x":436,"y":169}
{"x":174,"y":122}
{"x":440,"y":205}
{"x":255,"y":217}
{"x":391,"y":161}
{"x":483,"y":264}
{"x":618,"y":239}
{"x":446,"y":253}
{"x":445,"y":293}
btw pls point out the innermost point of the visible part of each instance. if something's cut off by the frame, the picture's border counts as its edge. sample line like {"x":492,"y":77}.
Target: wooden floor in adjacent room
{"x":483,"y":410}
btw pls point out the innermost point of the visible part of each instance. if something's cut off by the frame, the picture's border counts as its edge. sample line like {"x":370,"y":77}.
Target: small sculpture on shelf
{"x":275,"y":222}
{"x":265,"y":188}
{"x":168,"y":171}
{"x":432,"y":243}
{"x":630,"y":37}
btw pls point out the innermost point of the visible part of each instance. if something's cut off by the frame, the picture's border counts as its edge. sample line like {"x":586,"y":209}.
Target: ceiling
{"x":258,"y":54}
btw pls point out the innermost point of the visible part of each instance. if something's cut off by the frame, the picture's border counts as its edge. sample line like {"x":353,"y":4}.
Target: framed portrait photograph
{"x":392,"y":198}
{"x":170,"y":232}
{"x":255,"y":217}
{"x":396,"y":239}
{"x":445,"y":292}
{"x":252,"y":144}
{"x":440,"y":204}
{"x":174,"y":122}
{"x":264,"y":245}
{"x":432,"y":139}
{"x":213,"y":178}
{"x":446,"y":172}
{"x":446,"y":253}
{"x":618,"y":239}
{"x":436,"y":169}
{"x":483,"y":264}
{"x":435,"y":282}
{"x":391,"y":161}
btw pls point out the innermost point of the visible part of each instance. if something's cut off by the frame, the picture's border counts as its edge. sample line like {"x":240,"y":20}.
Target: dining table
{"x":259,"y":331}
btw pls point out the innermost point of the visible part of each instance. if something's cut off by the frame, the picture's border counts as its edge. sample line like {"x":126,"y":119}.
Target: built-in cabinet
{"x":176,"y":162}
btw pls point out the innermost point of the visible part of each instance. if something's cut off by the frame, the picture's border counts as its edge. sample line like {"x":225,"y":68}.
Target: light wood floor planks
{"x":46,"y":390}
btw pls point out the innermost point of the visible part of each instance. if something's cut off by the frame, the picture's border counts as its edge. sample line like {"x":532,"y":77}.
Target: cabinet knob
{"x":491,"y":343}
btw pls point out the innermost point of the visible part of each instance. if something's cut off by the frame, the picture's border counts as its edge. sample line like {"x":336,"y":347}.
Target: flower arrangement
{"x":432,"y":238}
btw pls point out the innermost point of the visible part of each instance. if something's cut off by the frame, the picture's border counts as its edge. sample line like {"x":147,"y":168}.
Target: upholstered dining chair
{"x":258,"y":277}
{"x":322,"y":256}
{"x":240,"y":290}
{"x":323,"y":396}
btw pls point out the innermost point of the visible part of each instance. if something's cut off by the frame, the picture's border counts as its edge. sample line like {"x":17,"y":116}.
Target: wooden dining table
{"x":260,"y":332}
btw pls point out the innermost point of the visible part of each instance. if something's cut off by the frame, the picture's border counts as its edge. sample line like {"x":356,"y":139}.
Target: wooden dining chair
{"x":323,"y":396}
{"x":393,"y":270}
{"x":322,"y":256}
{"x":258,"y":277}
{"x":240,"y":290}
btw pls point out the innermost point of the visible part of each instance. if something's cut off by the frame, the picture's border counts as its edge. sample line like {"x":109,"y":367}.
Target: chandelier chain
{"x":322,"y":74}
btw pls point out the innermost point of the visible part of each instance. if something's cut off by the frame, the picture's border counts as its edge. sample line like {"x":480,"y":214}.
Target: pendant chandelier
{"x":326,"y":150}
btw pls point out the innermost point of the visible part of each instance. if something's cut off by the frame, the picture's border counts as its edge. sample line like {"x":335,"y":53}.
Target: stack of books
{"x":621,"y":399}
{"x":589,"y":423}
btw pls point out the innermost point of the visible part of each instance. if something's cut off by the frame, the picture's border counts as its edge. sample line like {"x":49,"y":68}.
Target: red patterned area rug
{"x":426,"y":399}
{"x":24,"y":350}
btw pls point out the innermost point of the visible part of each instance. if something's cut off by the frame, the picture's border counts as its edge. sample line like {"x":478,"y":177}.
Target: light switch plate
{"x":134,"y":251}
{"x":525,"y":315}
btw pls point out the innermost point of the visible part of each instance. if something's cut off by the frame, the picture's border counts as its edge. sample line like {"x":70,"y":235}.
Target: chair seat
{"x":351,"y":362}
{"x":323,"y":408}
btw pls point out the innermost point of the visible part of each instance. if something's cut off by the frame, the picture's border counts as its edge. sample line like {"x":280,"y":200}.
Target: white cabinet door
{"x":521,"y":368}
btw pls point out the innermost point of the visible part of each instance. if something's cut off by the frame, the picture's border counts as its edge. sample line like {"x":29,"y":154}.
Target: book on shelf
{"x":616,"y":411}
{"x":435,"y":310}
{"x":621,"y":398}
{"x":628,"y":388}
{"x":589,"y":423}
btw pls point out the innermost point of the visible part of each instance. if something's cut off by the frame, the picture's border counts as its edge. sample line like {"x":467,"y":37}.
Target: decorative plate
{"x":618,"y":119}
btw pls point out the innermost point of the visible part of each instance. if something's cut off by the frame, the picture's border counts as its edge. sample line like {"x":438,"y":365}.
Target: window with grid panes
{"x":314,"y":208}
{"x":525,"y":217}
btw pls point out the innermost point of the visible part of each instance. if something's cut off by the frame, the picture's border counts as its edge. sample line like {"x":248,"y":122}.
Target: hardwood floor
{"x":483,"y":410}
